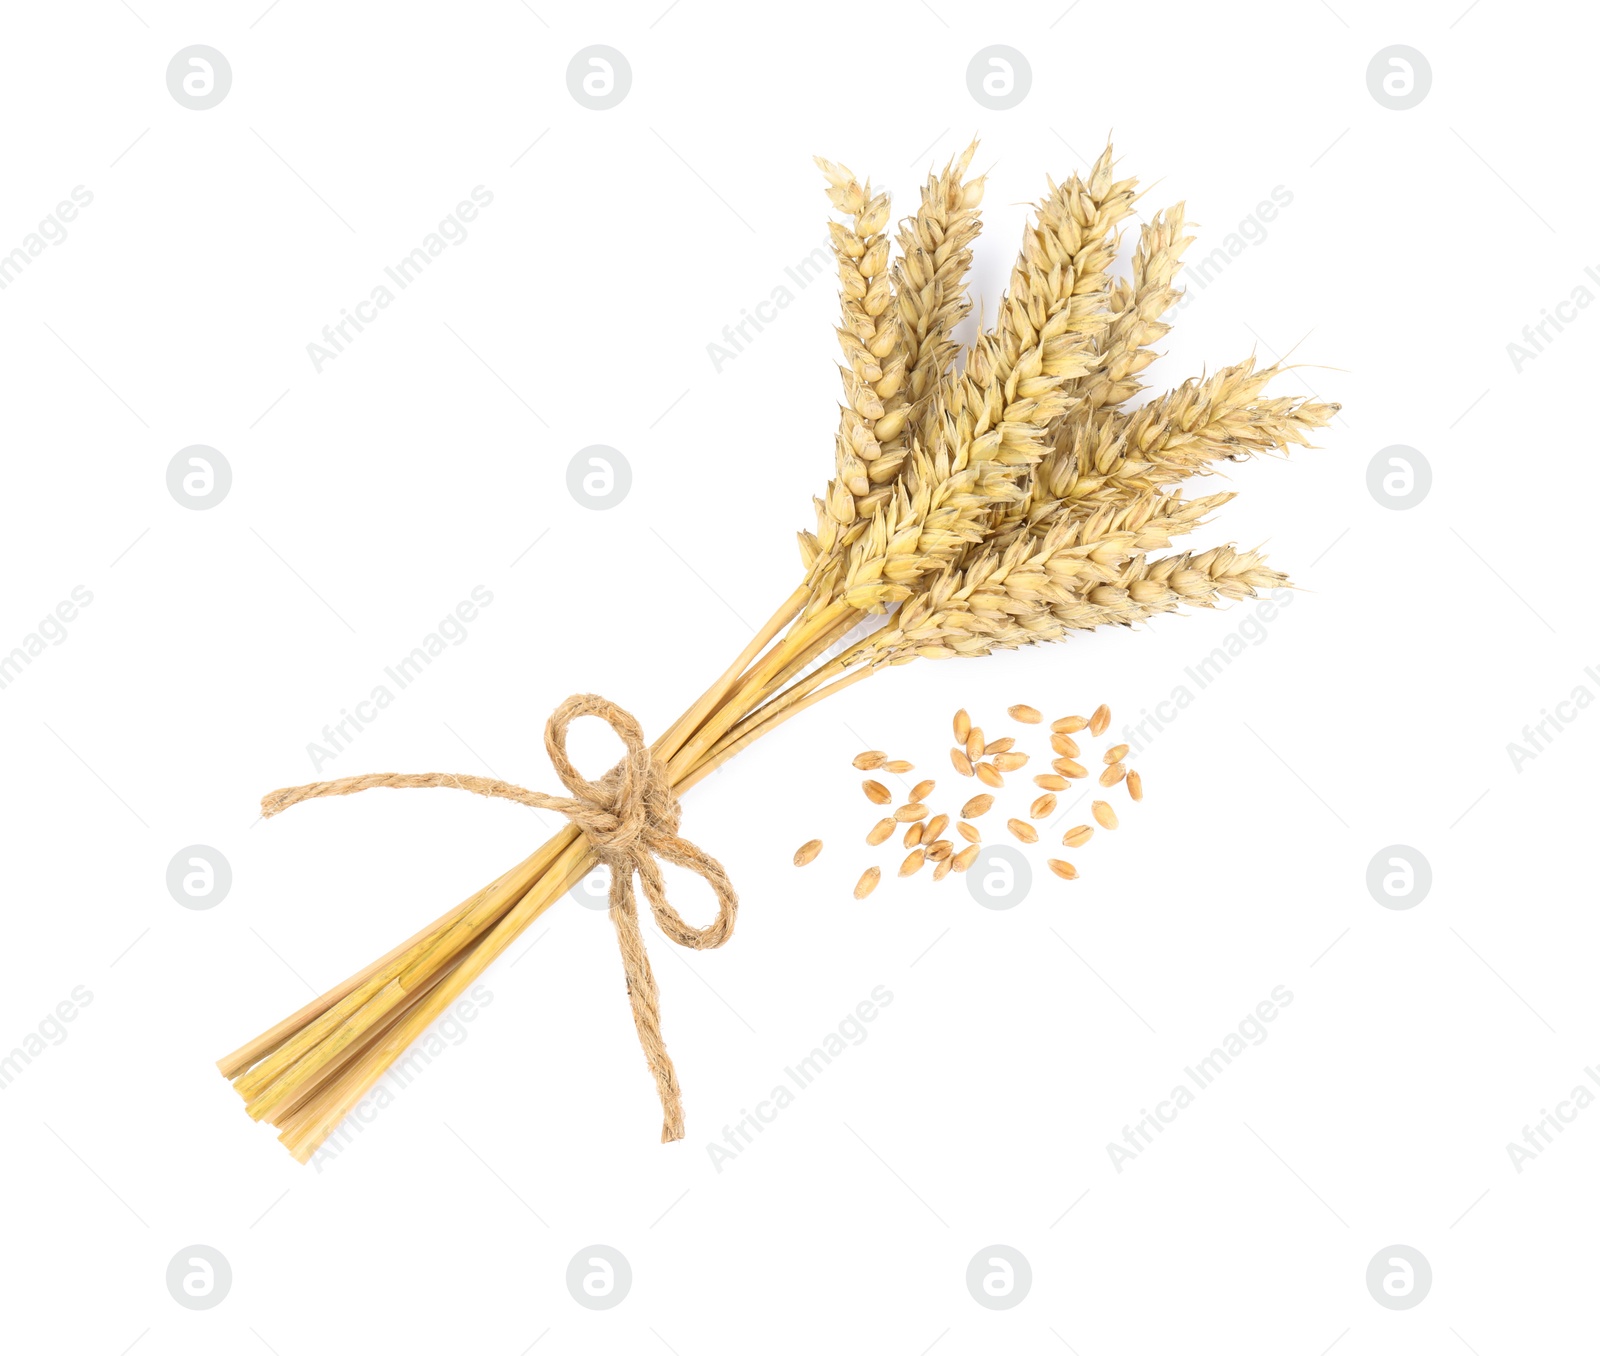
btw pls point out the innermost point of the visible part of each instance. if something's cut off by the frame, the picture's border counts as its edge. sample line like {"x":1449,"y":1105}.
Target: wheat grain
{"x":876,"y":792}
{"x":989,"y":775}
{"x":1135,"y":786}
{"x":939,"y":849}
{"x":977,"y":806}
{"x":873,"y":758}
{"x":1009,"y":762}
{"x":962,"y":726}
{"x":1113,"y":774}
{"x":969,"y":832}
{"x":1066,"y":870}
{"x":936,"y":826}
{"x":965,"y":858}
{"x":1022,"y":830}
{"x":999,"y":746}
{"x":1050,"y":781}
{"x":898,"y":766}
{"x":921,"y":790}
{"x":943,"y":869}
{"x":908,"y":814}
{"x":1064,"y":745}
{"x":1025,"y":715}
{"x":1104,"y":815}
{"x":1068,"y":725}
{"x":807,"y":852}
{"x":1100,"y":720}
{"x":1077,"y":837}
{"x":880,"y":831}
{"x":1115,"y":754}
{"x":960,"y":761}
{"x":868,"y":882}
{"x":1042,"y":807}
{"x":975,"y":743}
{"x":1067,"y":768}
{"x":913,"y":836}
{"x":913,"y":862}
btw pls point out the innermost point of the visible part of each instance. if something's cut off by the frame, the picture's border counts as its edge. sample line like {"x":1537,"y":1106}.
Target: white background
{"x":429,"y":458}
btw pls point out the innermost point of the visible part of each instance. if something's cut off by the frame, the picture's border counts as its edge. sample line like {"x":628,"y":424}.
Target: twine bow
{"x":630,"y":819}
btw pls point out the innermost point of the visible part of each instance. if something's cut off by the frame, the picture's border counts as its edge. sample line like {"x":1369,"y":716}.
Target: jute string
{"x":630,"y":819}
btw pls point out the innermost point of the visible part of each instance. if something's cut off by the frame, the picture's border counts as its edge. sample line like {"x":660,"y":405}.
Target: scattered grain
{"x":898,"y":766}
{"x":921,"y":789}
{"x":965,"y":858}
{"x":868,"y":882}
{"x":1077,"y":837}
{"x":989,"y":775}
{"x":1065,"y":745}
{"x":962,"y":725}
{"x":1050,"y":781}
{"x":1068,"y":724}
{"x":939,"y":849}
{"x":975,"y":743}
{"x":1135,"y":786}
{"x":870,"y":759}
{"x":1009,"y":762}
{"x":999,"y":746}
{"x":1067,"y":768}
{"x":1022,"y":830}
{"x":908,"y":814}
{"x":935,"y":827}
{"x":1026,"y":715}
{"x":1104,"y":815}
{"x":880,"y":831}
{"x":969,"y":832}
{"x":960,"y":761}
{"x":807,"y":852}
{"x":1066,"y":870}
{"x":978,"y":805}
{"x":913,"y":836}
{"x":1113,"y":774}
{"x":1042,"y":807}
{"x":943,"y":869}
{"x":912,"y":863}
{"x":1116,"y":753}
{"x":1100,"y":720}
{"x":877,"y":792}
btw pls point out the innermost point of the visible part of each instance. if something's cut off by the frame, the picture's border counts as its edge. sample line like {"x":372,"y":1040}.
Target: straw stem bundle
{"x":980,"y":501}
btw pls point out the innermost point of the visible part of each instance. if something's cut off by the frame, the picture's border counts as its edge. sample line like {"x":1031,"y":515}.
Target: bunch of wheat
{"x":981,"y":500}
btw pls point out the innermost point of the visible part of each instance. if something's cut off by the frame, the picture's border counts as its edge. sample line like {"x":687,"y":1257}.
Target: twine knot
{"x":629,"y":818}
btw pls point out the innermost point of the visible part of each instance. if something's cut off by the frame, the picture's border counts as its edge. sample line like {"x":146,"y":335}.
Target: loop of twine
{"x":630,"y":819}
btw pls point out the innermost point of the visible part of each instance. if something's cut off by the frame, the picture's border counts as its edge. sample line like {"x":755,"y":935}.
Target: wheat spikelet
{"x":929,"y":300}
{"x":1063,"y":269}
{"x":1223,"y":417}
{"x":930,"y":278}
{"x":1134,"y":310}
{"x":989,"y":424}
{"x":875,"y":411}
{"x":1040,"y":589}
